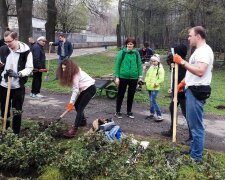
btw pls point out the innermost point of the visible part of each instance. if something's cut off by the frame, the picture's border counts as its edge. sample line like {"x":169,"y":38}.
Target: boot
{"x":83,"y":122}
{"x":71,"y":133}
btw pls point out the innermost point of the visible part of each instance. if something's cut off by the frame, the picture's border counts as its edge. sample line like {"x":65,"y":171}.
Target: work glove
{"x":70,"y":107}
{"x":154,"y":85}
{"x":140,"y":81}
{"x":12,"y":73}
{"x":177,"y":59}
{"x":180,"y":87}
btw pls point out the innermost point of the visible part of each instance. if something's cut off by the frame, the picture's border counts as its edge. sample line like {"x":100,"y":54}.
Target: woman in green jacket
{"x":153,"y":80}
{"x":128,"y":70}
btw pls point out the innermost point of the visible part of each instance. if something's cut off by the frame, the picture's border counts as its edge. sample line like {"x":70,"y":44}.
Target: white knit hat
{"x":155,"y":57}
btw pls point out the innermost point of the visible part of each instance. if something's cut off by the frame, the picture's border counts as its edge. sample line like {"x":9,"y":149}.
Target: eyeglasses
{"x":8,"y":42}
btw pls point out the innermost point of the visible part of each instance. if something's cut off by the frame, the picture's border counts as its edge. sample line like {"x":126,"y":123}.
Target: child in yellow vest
{"x":154,"y":78}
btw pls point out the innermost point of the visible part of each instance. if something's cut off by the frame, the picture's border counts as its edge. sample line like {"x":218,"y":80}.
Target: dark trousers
{"x":81,"y":102}
{"x":132,"y":84}
{"x":36,"y":82}
{"x":182,"y":103}
{"x":16,"y":101}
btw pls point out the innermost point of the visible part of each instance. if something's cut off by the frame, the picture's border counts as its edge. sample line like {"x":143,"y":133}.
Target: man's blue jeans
{"x":153,"y":104}
{"x":194,"y":116}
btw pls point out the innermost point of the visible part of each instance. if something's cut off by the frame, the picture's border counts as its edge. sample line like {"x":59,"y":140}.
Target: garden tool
{"x":7,"y":100}
{"x":62,"y":115}
{"x":47,"y":74}
{"x":175,"y":100}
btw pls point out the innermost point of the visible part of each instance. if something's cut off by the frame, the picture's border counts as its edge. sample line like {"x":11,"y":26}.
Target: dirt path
{"x":51,"y":107}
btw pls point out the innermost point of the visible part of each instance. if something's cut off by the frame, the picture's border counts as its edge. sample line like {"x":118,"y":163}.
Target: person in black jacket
{"x":182,"y":51}
{"x":17,"y":63}
{"x":65,"y":49}
{"x":39,"y":64}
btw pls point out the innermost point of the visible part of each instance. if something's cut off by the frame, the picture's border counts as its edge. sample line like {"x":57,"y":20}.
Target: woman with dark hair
{"x":128,"y":69}
{"x":71,"y":75}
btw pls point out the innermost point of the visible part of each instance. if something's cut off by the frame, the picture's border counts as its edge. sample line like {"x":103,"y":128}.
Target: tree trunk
{"x":118,"y":27}
{"x":24,"y":15}
{"x":51,"y":21}
{"x":3,"y":16}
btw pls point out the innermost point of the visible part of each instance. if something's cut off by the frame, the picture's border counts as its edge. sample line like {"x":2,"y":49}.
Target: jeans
{"x":153,"y":104}
{"x":194,"y":115}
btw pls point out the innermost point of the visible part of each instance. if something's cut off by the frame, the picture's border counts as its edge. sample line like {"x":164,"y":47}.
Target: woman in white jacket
{"x":70,"y":74}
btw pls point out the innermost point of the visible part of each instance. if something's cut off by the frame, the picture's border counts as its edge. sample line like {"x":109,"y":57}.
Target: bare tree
{"x":24,"y":15}
{"x":3,"y":15}
{"x":51,"y":20}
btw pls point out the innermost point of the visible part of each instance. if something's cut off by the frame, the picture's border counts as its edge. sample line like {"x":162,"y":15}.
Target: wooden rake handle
{"x":7,"y":100}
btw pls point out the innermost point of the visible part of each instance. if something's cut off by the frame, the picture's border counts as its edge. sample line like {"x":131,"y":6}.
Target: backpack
{"x":123,"y":55}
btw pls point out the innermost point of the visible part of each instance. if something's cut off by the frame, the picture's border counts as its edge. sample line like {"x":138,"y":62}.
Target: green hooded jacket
{"x":152,"y":78}
{"x":129,"y":68}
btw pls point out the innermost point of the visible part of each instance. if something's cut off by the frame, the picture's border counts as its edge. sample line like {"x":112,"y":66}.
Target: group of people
{"x":194,"y":77}
{"x":18,"y":61}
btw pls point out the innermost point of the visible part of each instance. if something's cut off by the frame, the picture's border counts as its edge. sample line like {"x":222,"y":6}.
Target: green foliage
{"x":91,"y":156}
{"x":33,"y":150}
{"x":95,"y":158}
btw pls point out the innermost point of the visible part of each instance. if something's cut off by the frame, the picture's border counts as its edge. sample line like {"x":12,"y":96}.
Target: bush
{"x":31,"y":151}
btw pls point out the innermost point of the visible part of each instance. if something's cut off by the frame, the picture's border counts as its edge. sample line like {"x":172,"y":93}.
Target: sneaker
{"x":83,"y":122}
{"x":158,"y":119}
{"x":118,"y":115}
{"x":33,"y":96}
{"x":167,"y":133}
{"x":39,"y":95}
{"x":150,"y":117}
{"x":130,"y":115}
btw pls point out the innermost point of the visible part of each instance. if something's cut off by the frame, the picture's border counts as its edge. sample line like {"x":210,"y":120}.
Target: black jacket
{"x":38,"y":56}
{"x":68,"y":48}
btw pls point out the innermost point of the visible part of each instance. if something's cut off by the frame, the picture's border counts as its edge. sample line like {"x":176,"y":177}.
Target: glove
{"x":70,"y":107}
{"x":180,"y":87}
{"x":12,"y":73}
{"x":177,"y":59}
{"x":154,"y":85}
